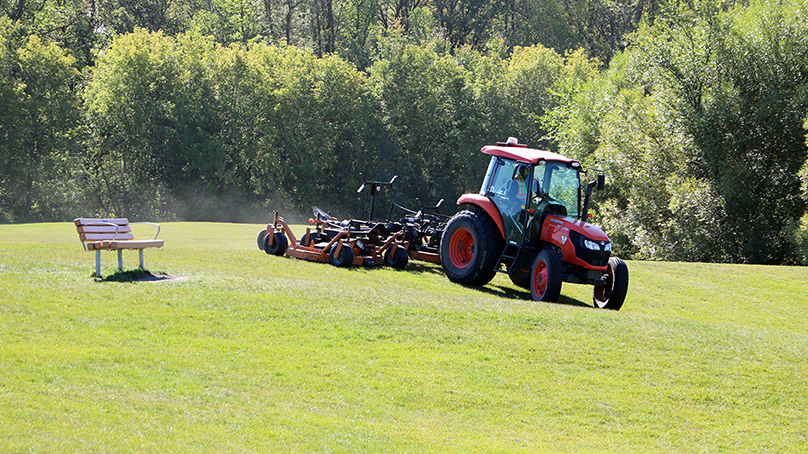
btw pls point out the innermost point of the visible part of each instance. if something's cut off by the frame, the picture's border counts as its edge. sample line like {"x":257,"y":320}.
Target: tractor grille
{"x":594,"y":258}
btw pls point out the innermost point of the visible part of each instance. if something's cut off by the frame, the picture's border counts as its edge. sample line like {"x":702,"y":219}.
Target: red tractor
{"x":530,"y":219}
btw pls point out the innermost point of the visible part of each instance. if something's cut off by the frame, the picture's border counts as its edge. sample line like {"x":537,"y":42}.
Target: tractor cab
{"x":527,"y":184}
{"x":527,"y":191}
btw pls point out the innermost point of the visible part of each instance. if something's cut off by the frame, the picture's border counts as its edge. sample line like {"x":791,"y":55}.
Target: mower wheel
{"x":470,"y":248}
{"x":612,"y":294}
{"x":261,"y":236}
{"x":278,"y":246}
{"x":306,"y":240}
{"x":344,"y":258}
{"x":398,"y":260}
{"x":546,"y":277}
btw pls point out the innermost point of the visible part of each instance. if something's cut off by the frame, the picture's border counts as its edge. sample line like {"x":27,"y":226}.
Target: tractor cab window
{"x":508,"y":189}
{"x":557,"y":189}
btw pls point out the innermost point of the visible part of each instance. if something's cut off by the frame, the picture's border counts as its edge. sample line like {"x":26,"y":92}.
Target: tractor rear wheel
{"x":261,"y":236}
{"x":615,"y":286}
{"x":470,"y":248}
{"x":398,"y":260}
{"x":546,"y":277}
{"x":344,"y":258}
{"x":278,"y":245}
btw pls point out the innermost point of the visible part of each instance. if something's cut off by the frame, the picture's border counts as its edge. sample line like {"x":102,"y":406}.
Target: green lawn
{"x":256,"y":353}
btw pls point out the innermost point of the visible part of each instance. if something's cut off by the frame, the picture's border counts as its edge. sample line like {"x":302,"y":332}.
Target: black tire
{"x":613,"y":293}
{"x":344,"y":258}
{"x":306,"y":240}
{"x":546,"y":276}
{"x":519,"y":276}
{"x":278,"y":246}
{"x":261,"y":236}
{"x":470,"y":248}
{"x":398,"y":260}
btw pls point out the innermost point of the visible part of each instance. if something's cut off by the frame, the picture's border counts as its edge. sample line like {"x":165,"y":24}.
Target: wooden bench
{"x":112,"y":234}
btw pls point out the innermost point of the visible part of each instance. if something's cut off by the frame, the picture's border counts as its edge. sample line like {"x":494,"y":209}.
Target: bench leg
{"x":140,"y":253}
{"x":98,"y":263}
{"x":120,"y":259}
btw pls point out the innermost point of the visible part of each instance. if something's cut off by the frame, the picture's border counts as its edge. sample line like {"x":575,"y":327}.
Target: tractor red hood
{"x":569,"y":234}
{"x":566,"y":223}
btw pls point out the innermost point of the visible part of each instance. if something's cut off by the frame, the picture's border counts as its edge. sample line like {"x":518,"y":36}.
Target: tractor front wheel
{"x":470,"y":248}
{"x":278,"y":245}
{"x":546,"y":276}
{"x":615,"y":286}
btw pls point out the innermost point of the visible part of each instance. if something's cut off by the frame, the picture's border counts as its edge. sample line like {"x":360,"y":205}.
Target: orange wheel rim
{"x":461,"y":248}
{"x":540,"y":279}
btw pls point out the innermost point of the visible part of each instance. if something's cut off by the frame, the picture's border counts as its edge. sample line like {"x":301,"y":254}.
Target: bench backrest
{"x":96,"y":229}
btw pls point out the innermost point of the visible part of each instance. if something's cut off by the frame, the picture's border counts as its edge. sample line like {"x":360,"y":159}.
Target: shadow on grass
{"x":137,"y":275}
{"x":415,"y":267}
{"x":420,"y":267}
{"x":522,"y":294}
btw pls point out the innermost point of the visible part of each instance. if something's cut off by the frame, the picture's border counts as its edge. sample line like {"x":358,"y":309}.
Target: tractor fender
{"x":486,"y":205}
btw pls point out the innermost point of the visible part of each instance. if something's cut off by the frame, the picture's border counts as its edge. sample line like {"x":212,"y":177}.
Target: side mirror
{"x":601,"y":181}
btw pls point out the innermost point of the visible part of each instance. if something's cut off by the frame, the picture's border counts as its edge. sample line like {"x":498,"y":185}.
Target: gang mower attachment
{"x":341,"y":243}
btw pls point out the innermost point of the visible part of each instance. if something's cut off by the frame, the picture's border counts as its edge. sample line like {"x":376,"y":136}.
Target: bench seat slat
{"x":103,"y":229}
{"x":130,"y":244}
{"x":105,"y":236}
{"x":135,"y":244}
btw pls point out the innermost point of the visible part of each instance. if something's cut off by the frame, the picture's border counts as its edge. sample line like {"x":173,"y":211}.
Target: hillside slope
{"x":256,"y":353}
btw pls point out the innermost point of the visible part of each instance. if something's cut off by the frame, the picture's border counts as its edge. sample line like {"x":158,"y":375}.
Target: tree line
{"x":229,"y":110}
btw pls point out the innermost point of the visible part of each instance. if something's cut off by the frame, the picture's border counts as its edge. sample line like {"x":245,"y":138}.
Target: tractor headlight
{"x":608,"y":247}
{"x":591,"y":245}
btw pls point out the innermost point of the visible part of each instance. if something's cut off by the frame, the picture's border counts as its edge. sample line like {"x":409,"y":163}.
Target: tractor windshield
{"x":558,"y":188}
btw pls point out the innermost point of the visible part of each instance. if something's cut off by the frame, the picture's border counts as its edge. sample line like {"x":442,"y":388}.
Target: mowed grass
{"x":257,"y":353}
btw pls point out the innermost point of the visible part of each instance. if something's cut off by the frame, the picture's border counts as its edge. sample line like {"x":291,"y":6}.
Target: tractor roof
{"x":522,"y":153}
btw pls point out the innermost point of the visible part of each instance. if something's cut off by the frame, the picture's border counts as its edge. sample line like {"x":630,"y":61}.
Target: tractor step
{"x":504,"y":256}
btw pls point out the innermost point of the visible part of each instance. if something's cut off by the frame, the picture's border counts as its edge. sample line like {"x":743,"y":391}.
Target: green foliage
{"x":325,"y":130}
{"x":39,"y":127}
{"x":700,"y":126}
{"x":229,"y":110}
{"x":132,"y":109}
{"x":428,"y":110}
{"x":532,"y":75}
{"x":183,"y":118}
{"x":74,"y":26}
